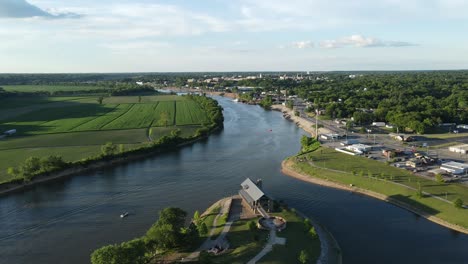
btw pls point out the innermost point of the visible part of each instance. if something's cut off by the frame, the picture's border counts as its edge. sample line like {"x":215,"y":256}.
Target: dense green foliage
{"x":415,"y":100}
{"x":309,"y":144}
{"x":266,"y":102}
{"x":169,"y":232}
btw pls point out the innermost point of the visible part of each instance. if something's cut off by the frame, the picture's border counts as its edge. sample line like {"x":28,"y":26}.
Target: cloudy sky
{"x":234,"y":35}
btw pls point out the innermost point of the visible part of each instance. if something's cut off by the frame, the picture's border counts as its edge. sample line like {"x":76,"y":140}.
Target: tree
{"x":458,"y":203}
{"x":419,"y":192}
{"x":167,"y":231}
{"x":307,"y":224}
{"x":31,"y":166}
{"x":52,"y":162}
{"x":108,"y":149}
{"x":196,"y":218}
{"x":131,"y":252}
{"x":100,"y":99}
{"x":266,"y":102}
{"x":106,"y":255}
{"x":303,"y":257}
{"x":313,"y":233}
{"x":139,"y":98}
{"x":290,"y":104}
{"x":439,"y":178}
{"x":203,"y":229}
{"x":15,"y":172}
{"x":252,"y":226}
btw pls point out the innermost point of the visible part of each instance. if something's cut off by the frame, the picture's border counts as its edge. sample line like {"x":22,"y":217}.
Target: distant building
{"x":462,"y":149}
{"x":359,"y":148}
{"x":378,"y":124}
{"x":414,"y":163}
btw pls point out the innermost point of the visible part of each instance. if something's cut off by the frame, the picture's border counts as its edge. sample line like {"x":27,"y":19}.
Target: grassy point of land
{"x":394,"y":183}
{"x":297,"y":239}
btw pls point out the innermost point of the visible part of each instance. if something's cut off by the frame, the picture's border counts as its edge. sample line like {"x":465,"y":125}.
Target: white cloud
{"x":362,"y":41}
{"x":303,"y":44}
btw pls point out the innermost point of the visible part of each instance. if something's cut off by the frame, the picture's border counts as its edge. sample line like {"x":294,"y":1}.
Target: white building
{"x":454,"y":167}
{"x":462,"y":149}
{"x":378,"y":124}
{"x":359,"y":148}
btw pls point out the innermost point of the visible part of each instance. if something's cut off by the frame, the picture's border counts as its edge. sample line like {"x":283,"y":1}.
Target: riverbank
{"x":303,"y":123}
{"x":8,"y":188}
{"x":288,"y":169}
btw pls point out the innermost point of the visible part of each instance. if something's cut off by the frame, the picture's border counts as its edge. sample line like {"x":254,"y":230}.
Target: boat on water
{"x":125,"y":214}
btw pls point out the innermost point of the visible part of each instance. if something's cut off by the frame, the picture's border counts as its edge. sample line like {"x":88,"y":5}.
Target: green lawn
{"x":297,"y":239}
{"x":328,"y":158}
{"x":244,"y":244}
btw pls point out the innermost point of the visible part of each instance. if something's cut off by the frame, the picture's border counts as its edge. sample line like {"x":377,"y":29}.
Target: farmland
{"x":50,"y":88}
{"x":77,"y":127}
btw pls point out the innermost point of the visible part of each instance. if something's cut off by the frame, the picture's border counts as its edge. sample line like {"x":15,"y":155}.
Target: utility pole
{"x":316,"y":124}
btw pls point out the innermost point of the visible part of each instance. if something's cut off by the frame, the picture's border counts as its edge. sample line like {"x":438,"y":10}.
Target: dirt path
{"x":306,"y":125}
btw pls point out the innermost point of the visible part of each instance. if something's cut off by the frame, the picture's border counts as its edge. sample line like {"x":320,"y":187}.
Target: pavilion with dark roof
{"x":255,"y":198}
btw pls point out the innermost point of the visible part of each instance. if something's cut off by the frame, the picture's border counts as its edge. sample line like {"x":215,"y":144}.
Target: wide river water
{"x":64,"y":221}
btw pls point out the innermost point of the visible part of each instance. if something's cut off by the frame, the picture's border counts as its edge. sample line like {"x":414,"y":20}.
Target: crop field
{"x":139,"y":115}
{"x":77,"y":127}
{"x":189,"y":113}
{"x":49,"y":88}
{"x":144,"y":99}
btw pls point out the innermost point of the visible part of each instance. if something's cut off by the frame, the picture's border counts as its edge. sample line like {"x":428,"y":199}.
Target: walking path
{"x":268,"y":247}
{"x":220,"y":240}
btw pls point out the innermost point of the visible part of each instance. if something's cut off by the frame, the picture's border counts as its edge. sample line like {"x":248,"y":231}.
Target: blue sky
{"x":236,"y":35}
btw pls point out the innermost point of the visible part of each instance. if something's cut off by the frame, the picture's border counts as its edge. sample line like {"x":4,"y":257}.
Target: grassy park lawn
{"x":244,"y":244}
{"x":77,"y":127}
{"x":297,"y":239}
{"x":327,"y":159}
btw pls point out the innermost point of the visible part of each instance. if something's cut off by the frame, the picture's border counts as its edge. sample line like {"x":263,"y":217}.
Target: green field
{"x":50,"y":88}
{"x":383,"y":179}
{"x":76,"y":127}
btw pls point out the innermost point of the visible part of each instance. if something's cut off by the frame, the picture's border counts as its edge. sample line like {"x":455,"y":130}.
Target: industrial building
{"x":455,"y":167}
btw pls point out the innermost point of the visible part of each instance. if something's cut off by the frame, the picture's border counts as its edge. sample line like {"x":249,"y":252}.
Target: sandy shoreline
{"x":306,"y":125}
{"x":287,"y":169}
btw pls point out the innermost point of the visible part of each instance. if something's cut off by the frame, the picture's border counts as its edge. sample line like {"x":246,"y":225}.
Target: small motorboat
{"x":125,"y":214}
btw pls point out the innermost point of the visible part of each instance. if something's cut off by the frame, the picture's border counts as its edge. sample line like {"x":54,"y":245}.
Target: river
{"x":64,"y":221}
